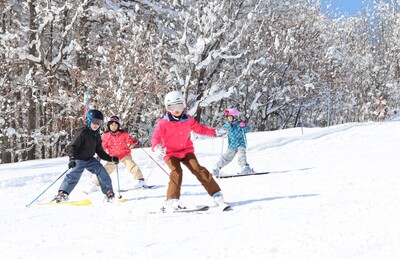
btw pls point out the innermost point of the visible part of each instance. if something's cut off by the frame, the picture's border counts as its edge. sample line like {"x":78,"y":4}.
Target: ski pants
{"x":176,"y":175}
{"x":92,"y":165}
{"x":228,"y":156}
{"x":129,"y":164}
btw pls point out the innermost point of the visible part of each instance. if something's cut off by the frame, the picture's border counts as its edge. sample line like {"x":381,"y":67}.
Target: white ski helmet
{"x":173,"y":97}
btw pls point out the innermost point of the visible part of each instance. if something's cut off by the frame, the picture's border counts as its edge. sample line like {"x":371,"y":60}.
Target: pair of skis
{"x":86,"y":202}
{"x":222,"y":207}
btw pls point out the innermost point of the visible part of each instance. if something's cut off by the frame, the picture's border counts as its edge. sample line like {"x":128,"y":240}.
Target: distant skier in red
{"x":117,"y":142}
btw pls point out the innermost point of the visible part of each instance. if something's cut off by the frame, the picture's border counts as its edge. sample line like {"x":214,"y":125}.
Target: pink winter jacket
{"x":118,"y":144}
{"x":174,"y":136}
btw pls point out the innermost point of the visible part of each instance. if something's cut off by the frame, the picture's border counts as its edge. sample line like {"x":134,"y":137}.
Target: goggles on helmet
{"x":175,"y":107}
{"x":115,"y":119}
{"x":97,"y":122}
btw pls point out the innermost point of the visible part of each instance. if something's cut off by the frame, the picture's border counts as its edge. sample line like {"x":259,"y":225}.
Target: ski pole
{"x":222,"y":150}
{"x":119,"y":189}
{"x":145,"y":182}
{"x":155,"y":162}
{"x":47,"y":188}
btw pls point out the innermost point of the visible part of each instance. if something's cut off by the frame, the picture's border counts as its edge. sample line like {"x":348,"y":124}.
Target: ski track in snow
{"x":333,"y":193}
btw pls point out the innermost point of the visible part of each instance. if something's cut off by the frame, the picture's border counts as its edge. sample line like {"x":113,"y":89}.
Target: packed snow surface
{"x":332,"y":193}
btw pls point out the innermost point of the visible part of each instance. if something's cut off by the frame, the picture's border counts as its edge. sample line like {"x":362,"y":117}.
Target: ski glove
{"x":72,"y":163}
{"x":221,"y":132}
{"x":115,"y":159}
{"x":242,"y":124}
{"x":160,"y":152}
{"x":137,"y":144}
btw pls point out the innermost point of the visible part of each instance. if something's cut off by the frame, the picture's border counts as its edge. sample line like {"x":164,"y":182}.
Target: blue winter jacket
{"x":236,"y":135}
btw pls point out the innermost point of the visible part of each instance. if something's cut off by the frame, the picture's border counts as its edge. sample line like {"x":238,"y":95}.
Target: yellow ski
{"x":73,"y":203}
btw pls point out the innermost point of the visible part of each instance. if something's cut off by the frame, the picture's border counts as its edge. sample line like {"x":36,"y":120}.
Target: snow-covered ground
{"x":333,"y":193}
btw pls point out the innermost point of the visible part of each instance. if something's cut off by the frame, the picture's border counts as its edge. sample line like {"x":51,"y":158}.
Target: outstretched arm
{"x":201,"y":129}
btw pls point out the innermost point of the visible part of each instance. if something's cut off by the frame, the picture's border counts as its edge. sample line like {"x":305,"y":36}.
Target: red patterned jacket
{"x":118,"y":144}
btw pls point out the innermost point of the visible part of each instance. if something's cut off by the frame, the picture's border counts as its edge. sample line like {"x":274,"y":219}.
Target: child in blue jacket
{"x":236,"y":143}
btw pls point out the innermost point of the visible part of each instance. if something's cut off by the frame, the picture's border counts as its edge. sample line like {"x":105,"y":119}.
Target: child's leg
{"x":242,"y":159}
{"x":95,"y":167}
{"x":71,"y":179}
{"x":175,"y":178}
{"x":226,"y":158}
{"x":132,"y":167}
{"x":109,"y":166}
{"x":201,"y":173}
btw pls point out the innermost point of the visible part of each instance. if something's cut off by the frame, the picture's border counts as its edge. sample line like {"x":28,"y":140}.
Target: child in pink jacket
{"x":171,"y":138}
{"x":119,"y":143}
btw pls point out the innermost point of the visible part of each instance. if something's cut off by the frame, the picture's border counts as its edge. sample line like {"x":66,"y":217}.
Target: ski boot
{"x":174,"y":204}
{"x":246,"y":169}
{"x":60,"y":197}
{"x":139,"y":183}
{"x":110,"y":196}
{"x":215,"y":171}
{"x":219,"y":200}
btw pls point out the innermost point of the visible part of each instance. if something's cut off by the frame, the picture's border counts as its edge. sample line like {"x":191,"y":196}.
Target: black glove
{"x":71,"y":163}
{"x":138,"y":143}
{"x":115,"y":159}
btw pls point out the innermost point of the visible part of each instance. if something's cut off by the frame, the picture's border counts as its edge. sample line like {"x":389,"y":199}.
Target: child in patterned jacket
{"x":236,"y":142}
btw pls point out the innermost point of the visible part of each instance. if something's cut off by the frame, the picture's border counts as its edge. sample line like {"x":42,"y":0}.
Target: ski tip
{"x":227,"y":208}
{"x":122,"y":200}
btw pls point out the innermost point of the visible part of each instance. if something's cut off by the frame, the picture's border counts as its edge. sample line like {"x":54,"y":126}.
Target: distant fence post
{"x":381,"y":116}
{"x":329,"y":107}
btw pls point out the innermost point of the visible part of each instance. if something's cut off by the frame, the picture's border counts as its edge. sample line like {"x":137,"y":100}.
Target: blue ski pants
{"x":92,"y":165}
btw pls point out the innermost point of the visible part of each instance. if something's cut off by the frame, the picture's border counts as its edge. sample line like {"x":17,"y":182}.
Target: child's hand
{"x":71,"y":163}
{"x":242,"y":124}
{"x":115,"y":160}
{"x":221,"y":132}
{"x":160,"y":152}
